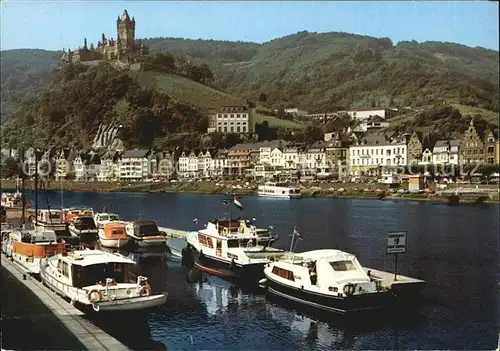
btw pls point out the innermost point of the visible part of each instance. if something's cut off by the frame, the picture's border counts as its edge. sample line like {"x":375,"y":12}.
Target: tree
{"x":262,"y":97}
{"x":10,"y":168}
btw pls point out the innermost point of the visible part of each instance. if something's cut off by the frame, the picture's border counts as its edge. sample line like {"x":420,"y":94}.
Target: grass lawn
{"x":276,"y":122}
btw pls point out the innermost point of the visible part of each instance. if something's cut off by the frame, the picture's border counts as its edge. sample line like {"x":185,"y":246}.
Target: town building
{"x":231,"y":117}
{"x":134,"y":165}
{"x":472,"y":146}
{"x":295,"y":112}
{"x":363,"y":114}
{"x":489,"y":147}
{"x":374,"y":122}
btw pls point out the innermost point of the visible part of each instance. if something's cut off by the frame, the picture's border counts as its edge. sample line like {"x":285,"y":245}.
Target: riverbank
{"x":316,"y":189}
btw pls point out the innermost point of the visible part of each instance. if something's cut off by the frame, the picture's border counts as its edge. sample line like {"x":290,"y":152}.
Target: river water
{"x":453,"y":248}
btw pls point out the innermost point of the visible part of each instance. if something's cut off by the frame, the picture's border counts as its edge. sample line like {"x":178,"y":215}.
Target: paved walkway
{"x":33,"y":317}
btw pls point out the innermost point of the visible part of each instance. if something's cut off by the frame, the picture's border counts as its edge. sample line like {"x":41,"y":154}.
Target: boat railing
{"x":141,"y":280}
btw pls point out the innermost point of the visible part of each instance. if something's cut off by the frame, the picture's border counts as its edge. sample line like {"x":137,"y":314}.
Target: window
{"x":491,"y":149}
{"x":283,"y":273}
{"x":341,"y":266}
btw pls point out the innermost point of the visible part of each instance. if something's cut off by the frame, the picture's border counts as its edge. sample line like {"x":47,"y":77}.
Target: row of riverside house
{"x":352,"y":152}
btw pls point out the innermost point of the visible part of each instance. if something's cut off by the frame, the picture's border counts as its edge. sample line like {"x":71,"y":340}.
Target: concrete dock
{"x":401,"y":284}
{"x":86,"y":334}
{"x":173,"y":233}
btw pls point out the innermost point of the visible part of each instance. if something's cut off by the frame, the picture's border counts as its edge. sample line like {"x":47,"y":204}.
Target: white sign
{"x":396,"y":242}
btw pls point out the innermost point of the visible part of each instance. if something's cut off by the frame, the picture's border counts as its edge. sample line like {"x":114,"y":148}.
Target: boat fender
{"x":112,"y":297}
{"x":233,"y":265}
{"x":145,"y":291}
{"x":94,"y":295}
{"x":96,"y":306}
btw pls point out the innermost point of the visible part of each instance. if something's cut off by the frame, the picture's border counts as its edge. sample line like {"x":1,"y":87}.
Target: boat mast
{"x":23,"y":196}
{"x":36,"y":186}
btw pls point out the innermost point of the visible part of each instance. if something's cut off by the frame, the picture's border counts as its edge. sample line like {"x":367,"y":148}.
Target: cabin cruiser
{"x":145,"y":233}
{"x":11,"y":200}
{"x":28,"y":247}
{"x":331,"y":280}
{"x":70,"y":213}
{"x":271,"y":189}
{"x":103,"y":218}
{"x":113,"y":234}
{"x":231,"y":249}
{"x":98,"y":279}
{"x":50,"y":220}
{"x":83,"y":227}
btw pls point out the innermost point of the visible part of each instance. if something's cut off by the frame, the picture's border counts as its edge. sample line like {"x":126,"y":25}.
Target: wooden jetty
{"x":92,"y":337}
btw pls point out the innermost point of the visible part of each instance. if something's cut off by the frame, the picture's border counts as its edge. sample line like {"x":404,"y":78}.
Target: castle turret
{"x":125,"y":33}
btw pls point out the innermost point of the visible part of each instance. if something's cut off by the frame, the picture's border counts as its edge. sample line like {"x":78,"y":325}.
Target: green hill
{"x":318,"y":72}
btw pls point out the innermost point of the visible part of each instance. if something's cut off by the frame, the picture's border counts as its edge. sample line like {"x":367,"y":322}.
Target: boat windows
{"x":205,"y":241}
{"x":233,"y":243}
{"x":103,"y":218}
{"x":341,"y":266}
{"x":97,"y":274}
{"x":283,"y":273}
{"x":85,"y":223}
{"x":117,"y":231}
{"x":149,"y":229}
{"x":114,"y":217}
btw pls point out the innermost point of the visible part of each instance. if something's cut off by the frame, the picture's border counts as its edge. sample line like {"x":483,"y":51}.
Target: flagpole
{"x":291,"y":242}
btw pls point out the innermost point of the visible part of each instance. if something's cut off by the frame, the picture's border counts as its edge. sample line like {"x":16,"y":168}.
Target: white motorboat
{"x":176,"y":246}
{"x":28,"y":247}
{"x":145,"y":233}
{"x":271,"y":189}
{"x":331,"y":280}
{"x":113,"y":234}
{"x":230,"y":249}
{"x":50,"y":220}
{"x":103,"y":218}
{"x":98,"y":279}
{"x":83,"y":227}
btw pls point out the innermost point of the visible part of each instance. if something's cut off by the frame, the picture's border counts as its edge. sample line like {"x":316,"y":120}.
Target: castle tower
{"x":125,"y":28}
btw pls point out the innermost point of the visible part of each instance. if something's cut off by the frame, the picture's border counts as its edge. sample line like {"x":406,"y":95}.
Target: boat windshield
{"x":342,"y":266}
{"x":114,"y":217}
{"x":85,"y":223}
{"x":147,"y":230}
{"x":104,"y":218}
{"x":92,"y":275}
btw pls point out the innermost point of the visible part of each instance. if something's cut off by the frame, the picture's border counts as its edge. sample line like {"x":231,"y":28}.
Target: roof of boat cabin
{"x":47,"y":210}
{"x":323,"y":253}
{"x":92,"y":257}
{"x":114,"y":225}
{"x":143,"y":222}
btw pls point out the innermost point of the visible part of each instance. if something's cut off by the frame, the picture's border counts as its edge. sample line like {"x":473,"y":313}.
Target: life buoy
{"x":145,"y":291}
{"x":94,"y":295}
{"x":225,"y":231}
{"x":349,"y":289}
{"x":96,"y":306}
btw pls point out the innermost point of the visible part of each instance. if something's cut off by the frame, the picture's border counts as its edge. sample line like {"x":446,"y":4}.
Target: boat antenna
{"x":292,"y":242}
{"x":293,"y":237}
{"x":48,"y":204}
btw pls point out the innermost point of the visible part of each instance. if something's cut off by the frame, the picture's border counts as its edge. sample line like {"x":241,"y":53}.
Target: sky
{"x":54,"y":25}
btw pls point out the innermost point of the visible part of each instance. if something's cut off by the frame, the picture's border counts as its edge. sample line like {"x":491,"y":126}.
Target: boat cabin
{"x":92,"y":267}
{"x":233,"y":227}
{"x":115,"y":231}
{"x":49,"y":216}
{"x":145,"y":228}
{"x":81,"y":223}
{"x":327,"y":269}
{"x":71,"y":213}
{"x":107,"y":217}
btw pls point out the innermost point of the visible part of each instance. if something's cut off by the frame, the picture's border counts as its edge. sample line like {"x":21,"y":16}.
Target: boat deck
{"x":401,"y":284}
{"x":87,"y":333}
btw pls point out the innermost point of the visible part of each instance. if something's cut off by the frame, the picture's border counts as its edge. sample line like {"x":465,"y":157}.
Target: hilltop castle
{"x":125,"y":49}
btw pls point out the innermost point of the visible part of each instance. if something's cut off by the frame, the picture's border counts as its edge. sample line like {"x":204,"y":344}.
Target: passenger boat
{"x":73,"y":212}
{"x":11,"y":200}
{"x":113,"y":234}
{"x":98,"y":279}
{"x":145,"y":233}
{"x":271,"y":189}
{"x":83,"y":227}
{"x":28,"y":247}
{"x":231,"y":249}
{"x":50,"y":220}
{"x":330,"y":280}
{"x":103,"y":218}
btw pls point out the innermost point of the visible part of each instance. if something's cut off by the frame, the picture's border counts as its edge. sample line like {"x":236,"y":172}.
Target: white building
{"x":277,"y":159}
{"x":79,"y":167}
{"x":295,"y":112}
{"x":426,"y":157}
{"x":220,"y":164}
{"x":204,"y":164}
{"x":374,"y":151}
{"x":374,"y":122}
{"x":291,"y":157}
{"x":231,"y":118}
{"x":315,"y":160}
{"x":265,"y":155}
{"x":362,"y":114}
{"x":441,"y":152}
{"x":135,"y":165}
{"x":109,"y":169}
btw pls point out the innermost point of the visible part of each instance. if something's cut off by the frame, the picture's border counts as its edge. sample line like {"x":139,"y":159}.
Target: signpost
{"x":396,"y":244}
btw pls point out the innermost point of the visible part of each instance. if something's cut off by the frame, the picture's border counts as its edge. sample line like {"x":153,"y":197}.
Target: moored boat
{"x":145,"y":233}
{"x":233,"y":247}
{"x":28,"y":247}
{"x":98,"y":279}
{"x":330,"y":280}
{"x":103,"y":218}
{"x":113,"y":234}
{"x":70,"y":213}
{"x":175,"y":246}
{"x":271,"y":189}
{"x":83,"y":227}
{"x":50,"y":220}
